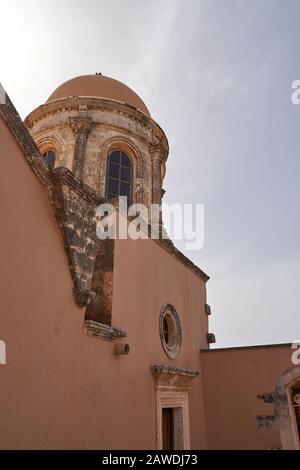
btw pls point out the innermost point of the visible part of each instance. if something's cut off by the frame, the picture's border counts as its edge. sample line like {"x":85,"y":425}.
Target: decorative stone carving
{"x":207,"y":309}
{"x":162,"y":372}
{"x":158,"y":156}
{"x":170,"y":330}
{"x":99,"y":330}
{"x":267,"y":397}
{"x":172,"y":385}
{"x":81,"y":127}
{"x":211,"y":338}
{"x":285,"y":409}
{"x":284,"y":414}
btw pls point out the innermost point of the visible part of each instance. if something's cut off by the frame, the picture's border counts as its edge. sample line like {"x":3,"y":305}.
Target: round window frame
{"x":169,"y":314}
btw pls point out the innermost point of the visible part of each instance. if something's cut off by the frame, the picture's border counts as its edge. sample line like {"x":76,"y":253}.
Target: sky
{"x":216,"y":75}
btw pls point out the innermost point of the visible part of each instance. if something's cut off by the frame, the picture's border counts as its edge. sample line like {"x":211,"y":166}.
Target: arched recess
{"x":46,"y":144}
{"x":287,"y":404}
{"x":126,"y":146}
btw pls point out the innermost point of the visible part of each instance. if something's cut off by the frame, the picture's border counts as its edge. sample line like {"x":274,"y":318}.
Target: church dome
{"x":100,"y":87}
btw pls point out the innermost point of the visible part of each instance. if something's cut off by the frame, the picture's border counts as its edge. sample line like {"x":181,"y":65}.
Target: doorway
{"x":168,"y":429}
{"x":172,"y":428}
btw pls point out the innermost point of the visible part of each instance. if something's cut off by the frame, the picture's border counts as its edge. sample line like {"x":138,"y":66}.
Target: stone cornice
{"x":168,"y":377}
{"x":170,"y":370}
{"x":75,"y":104}
{"x":99,"y":330}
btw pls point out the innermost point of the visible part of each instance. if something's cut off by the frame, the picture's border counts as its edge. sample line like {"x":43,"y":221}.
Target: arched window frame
{"x":284,"y":408}
{"x":52,"y":150}
{"x":47,"y":144}
{"x":130,"y":149}
{"x":132,"y":171}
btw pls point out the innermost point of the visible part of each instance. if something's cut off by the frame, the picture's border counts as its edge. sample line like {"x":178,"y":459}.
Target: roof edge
{"x":256,"y":346}
{"x":28,"y":146}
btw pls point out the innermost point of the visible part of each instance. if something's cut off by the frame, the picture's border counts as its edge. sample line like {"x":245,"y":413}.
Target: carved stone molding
{"x":211,"y":339}
{"x":207,"y":309}
{"x":102,"y":331}
{"x":168,"y":376}
{"x":172,"y":385}
{"x":158,"y":152}
{"x":82,"y":295}
{"x":267,"y":397}
{"x":284,"y":414}
{"x":170,"y":326}
{"x":81,"y":125}
{"x":93,"y":103}
{"x":285,"y":408}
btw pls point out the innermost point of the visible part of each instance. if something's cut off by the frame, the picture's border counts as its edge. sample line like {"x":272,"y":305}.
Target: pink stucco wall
{"x":61,"y":388}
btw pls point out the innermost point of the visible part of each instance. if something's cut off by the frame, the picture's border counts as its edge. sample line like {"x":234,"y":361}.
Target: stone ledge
{"x":173,"y":378}
{"x":170,"y":370}
{"x":102,"y":331}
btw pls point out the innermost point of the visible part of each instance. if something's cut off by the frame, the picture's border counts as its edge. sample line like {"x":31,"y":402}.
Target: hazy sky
{"x":216,"y":75}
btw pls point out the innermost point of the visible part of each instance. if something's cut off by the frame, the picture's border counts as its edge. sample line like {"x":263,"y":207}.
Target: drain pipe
{"x":122,"y":348}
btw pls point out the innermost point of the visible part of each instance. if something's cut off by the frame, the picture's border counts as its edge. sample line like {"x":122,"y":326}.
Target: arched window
{"x":119,"y":176}
{"x":49,"y":157}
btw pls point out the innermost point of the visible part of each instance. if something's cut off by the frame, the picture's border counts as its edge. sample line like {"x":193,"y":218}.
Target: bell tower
{"x":102,"y":131}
